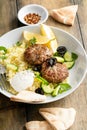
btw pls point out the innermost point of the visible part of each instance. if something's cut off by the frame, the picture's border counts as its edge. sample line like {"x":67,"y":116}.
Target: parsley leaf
{"x":18,"y":43}
{"x":33,"y":41}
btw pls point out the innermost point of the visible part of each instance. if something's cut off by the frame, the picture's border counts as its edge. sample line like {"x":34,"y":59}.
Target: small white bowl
{"x":33,"y":8}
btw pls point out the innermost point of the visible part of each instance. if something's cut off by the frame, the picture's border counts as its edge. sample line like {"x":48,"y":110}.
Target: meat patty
{"x":55,"y":74}
{"x":37,"y":54}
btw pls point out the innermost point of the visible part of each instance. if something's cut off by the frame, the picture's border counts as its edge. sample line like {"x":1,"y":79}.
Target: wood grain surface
{"x":13,"y":116}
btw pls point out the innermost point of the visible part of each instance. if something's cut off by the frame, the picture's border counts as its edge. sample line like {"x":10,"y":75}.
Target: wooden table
{"x":13,"y":116}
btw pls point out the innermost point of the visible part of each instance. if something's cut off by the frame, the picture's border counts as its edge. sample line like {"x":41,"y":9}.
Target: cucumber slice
{"x":68,"y":56}
{"x":69,"y":64}
{"x":55,"y":91}
{"x":12,"y":67}
{"x":47,"y":88}
{"x":59,"y":59}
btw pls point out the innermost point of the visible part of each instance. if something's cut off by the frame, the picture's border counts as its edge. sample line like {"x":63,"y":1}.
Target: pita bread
{"x":38,"y":125}
{"x":65,"y":15}
{"x":28,"y":97}
{"x":59,"y":118}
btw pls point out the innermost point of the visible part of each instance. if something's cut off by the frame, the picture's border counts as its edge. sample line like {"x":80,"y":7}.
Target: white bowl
{"x":76,"y":74}
{"x":33,"y":8}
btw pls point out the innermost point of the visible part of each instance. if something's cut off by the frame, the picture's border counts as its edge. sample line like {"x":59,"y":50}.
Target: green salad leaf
{"x":63,"y":87}
{"x":74,"y":56}
{"x":44,"y":81}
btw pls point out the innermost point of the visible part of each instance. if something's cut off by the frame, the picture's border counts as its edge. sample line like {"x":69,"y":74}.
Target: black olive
{"x":39,"y":90}
{"x":37,"y":68}
{"x":51,"y":61}
{"x":61,"y":50}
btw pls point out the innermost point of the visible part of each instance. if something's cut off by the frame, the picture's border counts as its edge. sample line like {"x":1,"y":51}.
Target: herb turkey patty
{"x":37,"y":54}
{"x":56,"y":73}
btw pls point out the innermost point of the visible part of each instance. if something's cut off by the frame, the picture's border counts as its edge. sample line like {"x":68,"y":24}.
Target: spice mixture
{"x":32,"y":18}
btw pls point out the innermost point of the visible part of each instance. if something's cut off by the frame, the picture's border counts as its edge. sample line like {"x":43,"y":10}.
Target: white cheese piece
{"x":22,"y":80}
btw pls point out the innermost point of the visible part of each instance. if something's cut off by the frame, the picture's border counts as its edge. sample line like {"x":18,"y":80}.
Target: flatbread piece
{"x":59,"y":118}
{"x":38,"y":125}
{"x":65,"y":15}
{"x":28,"y":97}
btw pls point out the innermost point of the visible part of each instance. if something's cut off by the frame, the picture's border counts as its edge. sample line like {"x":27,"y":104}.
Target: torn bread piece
{"x":65,"y":15}
{"x":38,"y":125}
{"x":28,"y":97}
{"x":59,"y":118}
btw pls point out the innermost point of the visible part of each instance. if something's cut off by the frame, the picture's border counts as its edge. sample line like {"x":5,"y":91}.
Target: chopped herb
{"x":3,"y":57}
{"x":18,"y":43}
{"x":32,"y":41}
{"x":2,"y":48}
{"x":55,"y":54}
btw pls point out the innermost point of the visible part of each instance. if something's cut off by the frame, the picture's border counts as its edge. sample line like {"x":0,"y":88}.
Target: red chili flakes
{"x":32,"y":18}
